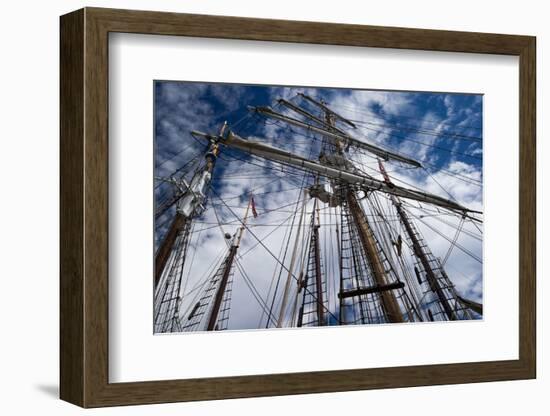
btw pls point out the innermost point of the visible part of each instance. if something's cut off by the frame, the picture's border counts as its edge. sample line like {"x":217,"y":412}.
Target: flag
{"x":398,"y":244}
{"x":253,"y":205}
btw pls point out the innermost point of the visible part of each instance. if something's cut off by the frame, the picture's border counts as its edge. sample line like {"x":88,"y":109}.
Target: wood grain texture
{"x":84,"y":207}
{"x":71,"y":208}
{"x":527,"y":208}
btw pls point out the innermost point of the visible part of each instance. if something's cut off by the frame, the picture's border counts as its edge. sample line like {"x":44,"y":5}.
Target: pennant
{"x":253,"y":206}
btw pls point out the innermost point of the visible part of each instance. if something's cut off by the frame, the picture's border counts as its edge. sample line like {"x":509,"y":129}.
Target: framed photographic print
{"x":259,"y":207}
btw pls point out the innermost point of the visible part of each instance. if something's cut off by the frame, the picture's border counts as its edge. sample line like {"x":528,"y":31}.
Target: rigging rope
{"x":266,"y":248}
{"x":457,"y":234}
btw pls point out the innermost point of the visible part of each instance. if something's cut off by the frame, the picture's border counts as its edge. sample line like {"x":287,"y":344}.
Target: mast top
{"x":328,"y":110}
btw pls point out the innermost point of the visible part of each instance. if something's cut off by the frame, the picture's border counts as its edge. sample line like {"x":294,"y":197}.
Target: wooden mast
{"x":165,"y":249}
{"x":318,"y":272}
{"x":366,"y":235}
{"x":313,"y":271}
{"x":418,"y":250}
{"x":183,"y":216}
{"x":368,"y":241}
{"x":227,"y":272}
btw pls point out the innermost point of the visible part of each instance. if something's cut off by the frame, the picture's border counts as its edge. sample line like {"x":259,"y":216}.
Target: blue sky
{"x":181,"y":106}
{"x":442,"y":131}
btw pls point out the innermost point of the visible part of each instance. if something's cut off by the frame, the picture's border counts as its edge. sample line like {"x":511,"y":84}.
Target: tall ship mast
{"x":347,"y":246}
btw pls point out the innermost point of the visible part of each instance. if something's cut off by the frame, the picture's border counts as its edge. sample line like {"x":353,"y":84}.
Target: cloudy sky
{"x":442,"y":131}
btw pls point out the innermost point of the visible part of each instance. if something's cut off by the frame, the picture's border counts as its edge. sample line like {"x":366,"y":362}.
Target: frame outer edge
{"x":84,"y":203}
{"x":528,"y":208}
{"x":71,"y":317}
{"x":95,"y":201}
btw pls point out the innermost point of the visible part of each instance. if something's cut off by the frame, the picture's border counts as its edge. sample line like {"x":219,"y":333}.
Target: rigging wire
{"x":246,"y":278}
{"x":456,"y":175}
{"x":290,"y":174}
{"x":438,"y":232}
{"x":266,"y":248}
{"x":288,"y":242}
{"x":421,"y":130}
{"x":453,"y":243}
{"x":443,"y":149}
{"x":358,"y":111}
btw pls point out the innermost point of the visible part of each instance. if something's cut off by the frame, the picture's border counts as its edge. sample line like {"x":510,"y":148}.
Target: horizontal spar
{"x":346,"y":139}
{"x":371,"y":289}
{"x":369,"y":183}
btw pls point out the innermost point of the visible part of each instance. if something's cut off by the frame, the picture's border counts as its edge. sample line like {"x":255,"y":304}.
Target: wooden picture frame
{"x":84,"y":207}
